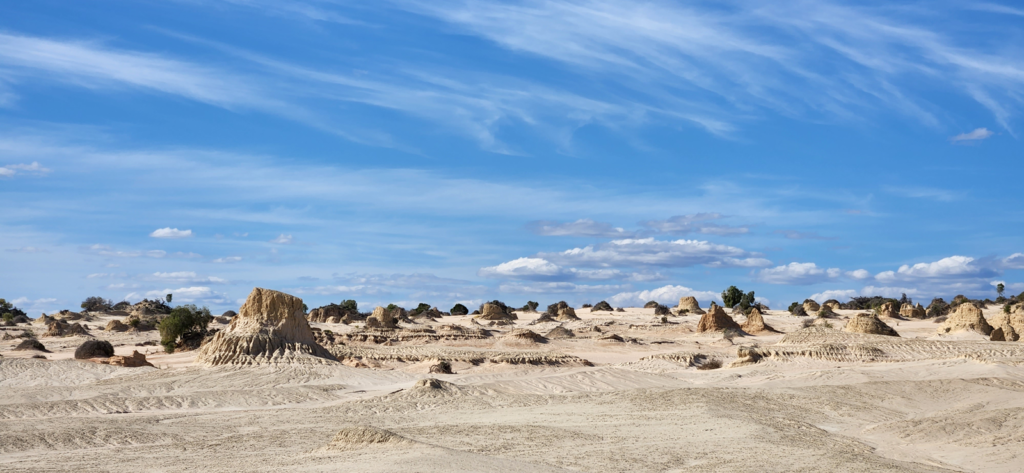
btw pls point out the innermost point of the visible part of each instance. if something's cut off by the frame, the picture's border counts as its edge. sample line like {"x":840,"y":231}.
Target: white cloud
{"x":106,"y":250}
{"x":522,"y":268}
{"x":282,"y":239}
{"x":228,"y":259}
{"x":12,"y":169}
{"x":798,"y":274}
{"x":696,"y":223}
{"x":1014,"y":261}
{"x":580,"y":228}
{"x":859,"y":274}
{"x":668,"y":295}
{"x":975,"y":135}
{"x":188,"y":295}
{"x":28,"y":250}
{"x":740,"y":263}
{"x":169,"y":232}
{"x":953,"y":267}
{"x":837,"y":294}
{"x":185,"y":277}
{"x":647,"y":252}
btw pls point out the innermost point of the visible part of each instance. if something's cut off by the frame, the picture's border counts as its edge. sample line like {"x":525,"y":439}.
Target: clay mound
{"x":914,"y":312}
{"x":716,"y":320}
{"x":69,"y":315}
{"x":1016,"y":319}
{"x":270,"y":328}
{"x":94,"y":349}
{"x":31,"y":344}
{"x":21,"y":319}
{"x":811,"y":306}
{"x":229,"y":313}
{"x":560,"y":332}
{"x":135,"y":360}
{"x":612,"y":337}
{"x":888,"y":310}
{"x":493,"y":311}
{"x":1007,"y":332}
{"x":525,"y":334}
{"x":966,"y":317}
{"x":60,"y":328}
{"x":363,"y":436}
{"x":869,"y":323}
{"x":755,"y":322}
{"x":826,"y":311}
{"x":832,"y":304}
{"x":116,"y":326}
{"x":45,"y":320}
{"x":690,"y":304}
{"x":603,"y":305}
{"x":382,"y":318}
{"x":562,"y":312}
{"x":332,"y":314}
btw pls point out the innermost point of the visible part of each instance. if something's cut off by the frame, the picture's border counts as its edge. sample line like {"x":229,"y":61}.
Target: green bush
{"x":8,"y":317}
{"x":96,"y":304}
{"x":350,"y":305}
{"x":459,"y":309}
{"x":6,"y":307}
{"x":184,"y":319}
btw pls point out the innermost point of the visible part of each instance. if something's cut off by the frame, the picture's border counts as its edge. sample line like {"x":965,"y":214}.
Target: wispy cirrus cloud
{"x":584,"y":227}
{"x":703,"y":223}
{"x":12,"y":169}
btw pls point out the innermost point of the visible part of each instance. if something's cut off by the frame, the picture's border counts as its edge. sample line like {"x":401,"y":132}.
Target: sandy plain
{"x":826,"y":401}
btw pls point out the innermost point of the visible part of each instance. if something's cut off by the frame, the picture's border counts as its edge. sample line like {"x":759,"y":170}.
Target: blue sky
{"x":406,"y":151}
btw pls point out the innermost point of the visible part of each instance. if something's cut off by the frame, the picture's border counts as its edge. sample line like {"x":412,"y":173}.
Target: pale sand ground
{"x":940,"y":411}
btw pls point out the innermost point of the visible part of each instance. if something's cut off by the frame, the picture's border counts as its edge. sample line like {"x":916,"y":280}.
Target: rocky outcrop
{"x":526,"y":335}
{"x":716,"y":320}
{"x":60,"y":328}
{"x":149,"y":308}
{"x":602,"y":306}
{"x":94,"y":349}
{"x":888,"y":310}
{"x":811,"y":306}
{"x":116,"y":326}
{"x":966,"y":317}
{"x":383,"y":318}
{"x":832,"y":304}
{"x":869,"y":323}
{"x":911,"y":311}
{"x":135,"y":360}
{"x":270,"y":328}
{"x":689,"y":304}
{"x":755,"y":322}
{"x":1001,"y":323}
{"x":332,"y":314}
{"x":493,"y":311}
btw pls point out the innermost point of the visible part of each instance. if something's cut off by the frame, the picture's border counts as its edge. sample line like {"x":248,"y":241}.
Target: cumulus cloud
{"x":169,"y":232}
{"x":859,"y":274}
{"x":696,"y":223}
{"x":282,"y":239}
{"x":1014,"y":261}
{"x":228,"y":259}
{"x":797,"y":274}
{"x":668,"y":295}
{"x":953,"y":267}
{"x":541,"y":269}
{"x":12,"y":169}
{"x":975,"y":135}
{"x":580,"y":228}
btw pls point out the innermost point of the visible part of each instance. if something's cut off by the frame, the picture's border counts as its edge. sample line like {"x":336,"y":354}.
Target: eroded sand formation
{"x":597,"y":391}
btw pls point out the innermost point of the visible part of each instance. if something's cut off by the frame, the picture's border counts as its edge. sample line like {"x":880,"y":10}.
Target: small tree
{"x":732,"y":296}
{"x":169,"y":297}
{"x":1000,"y":288}
{"x":747,"y":301}
{"x":6,"y":307}
{"x":459,"y":309}
{"x":350,"y":305}
{"x":183,"y":320}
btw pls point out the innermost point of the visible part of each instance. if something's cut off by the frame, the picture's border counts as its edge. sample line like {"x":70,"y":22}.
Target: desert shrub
{"x":651,"y":305}
{"x":350,"y":305}
{"x":662,"y":309}
{"x":710,"y":365}
{"x":684,"y":311}
{"x":553,"y":308}
{"x":937,"y":307}
{"x":7,"y":307}
{"x":940,"y":320}
{"x":8,"y":318}
{"x":807,"y":323}
{"x":27,"y":334}
{"x":586,"y":306}
{"x":96,"y":304}
{"x":459,"y":309}
{"x":421,"y":308}
{"x":183,"y":321}
{"x":123,"y":305}
{"x":799,"y":311}
{"x":731,"y":333}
